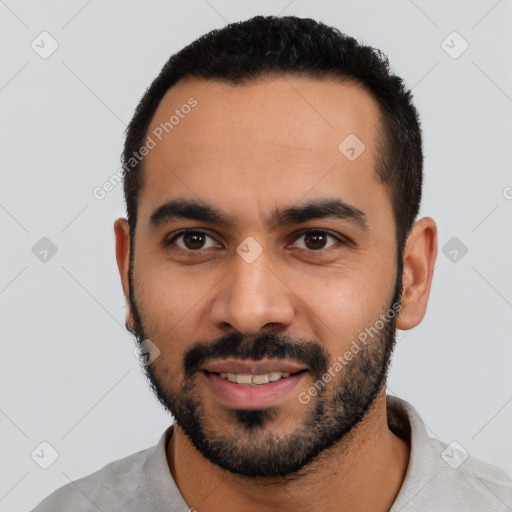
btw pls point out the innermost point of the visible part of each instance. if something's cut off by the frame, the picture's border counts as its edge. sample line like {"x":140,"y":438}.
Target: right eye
{"x":191,"y":240}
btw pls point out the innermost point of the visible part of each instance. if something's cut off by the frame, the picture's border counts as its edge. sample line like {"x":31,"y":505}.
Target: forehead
{"x":263,"y":143}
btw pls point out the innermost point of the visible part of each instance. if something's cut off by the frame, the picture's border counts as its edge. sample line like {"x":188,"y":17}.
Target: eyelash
{"x":183,"y":232}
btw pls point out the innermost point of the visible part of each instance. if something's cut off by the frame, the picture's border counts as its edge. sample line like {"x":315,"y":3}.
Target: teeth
{"x":244,"y":379}
{"x":259,"y":379}
{"x":254,"y":379}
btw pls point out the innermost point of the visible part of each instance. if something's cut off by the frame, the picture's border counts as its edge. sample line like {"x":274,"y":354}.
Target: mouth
{"x":254,"y":380}
{"x":252,"y":384}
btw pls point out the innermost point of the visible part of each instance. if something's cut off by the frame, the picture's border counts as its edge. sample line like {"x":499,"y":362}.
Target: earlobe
{"x":419,"y":259}
{"x":122,"y":236}
{"x":128,"y":323}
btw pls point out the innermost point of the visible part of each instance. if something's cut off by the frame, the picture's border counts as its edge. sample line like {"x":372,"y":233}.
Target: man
{"x":273,"y":176}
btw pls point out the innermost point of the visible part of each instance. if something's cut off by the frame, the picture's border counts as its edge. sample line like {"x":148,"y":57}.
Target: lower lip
{"x":249,"y":396}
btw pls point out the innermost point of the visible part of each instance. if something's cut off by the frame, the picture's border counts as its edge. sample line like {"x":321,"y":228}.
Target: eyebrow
{"x":287,"y":215}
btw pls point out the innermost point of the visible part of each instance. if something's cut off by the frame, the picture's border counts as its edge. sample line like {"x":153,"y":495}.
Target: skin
{"x":246,"y":150}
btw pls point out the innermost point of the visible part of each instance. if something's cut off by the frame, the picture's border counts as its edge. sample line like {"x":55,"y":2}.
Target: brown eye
{"x":316,"y":240}
{"x":193,"y":240}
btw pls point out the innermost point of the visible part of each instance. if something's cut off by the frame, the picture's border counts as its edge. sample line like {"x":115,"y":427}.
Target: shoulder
{"x":470,"y":481}
{"x":444,"y":477}
{"x":99,"y":489}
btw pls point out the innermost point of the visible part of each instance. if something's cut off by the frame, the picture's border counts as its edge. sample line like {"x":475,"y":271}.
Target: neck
{"x":364,"y":471}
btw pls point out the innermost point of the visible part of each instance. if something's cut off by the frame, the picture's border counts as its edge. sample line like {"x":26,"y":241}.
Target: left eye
{"x":316,"y":240}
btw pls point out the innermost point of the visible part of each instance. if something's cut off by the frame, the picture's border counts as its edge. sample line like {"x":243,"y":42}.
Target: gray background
{"x":68,"y":373}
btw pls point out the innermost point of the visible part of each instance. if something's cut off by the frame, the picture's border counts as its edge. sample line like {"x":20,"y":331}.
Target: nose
{"x":251,"y":297}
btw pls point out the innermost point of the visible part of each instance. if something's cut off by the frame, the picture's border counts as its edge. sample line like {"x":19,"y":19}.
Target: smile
{"x":255,"y":380}
{"x":252,"y":384}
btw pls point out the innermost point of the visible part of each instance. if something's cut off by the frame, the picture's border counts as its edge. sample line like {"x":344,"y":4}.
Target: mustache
{"x":307,"y":352}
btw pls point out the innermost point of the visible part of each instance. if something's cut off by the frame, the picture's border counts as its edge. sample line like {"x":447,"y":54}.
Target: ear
{"x":419,"y":259}
{"x":122,"y":234}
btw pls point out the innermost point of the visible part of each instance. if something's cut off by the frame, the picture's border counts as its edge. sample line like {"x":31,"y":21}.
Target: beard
{"x":257,"y":448}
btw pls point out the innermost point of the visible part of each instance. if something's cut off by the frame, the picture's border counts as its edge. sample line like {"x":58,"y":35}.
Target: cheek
{"x":340,"y":309}
{"x":170,"y":300}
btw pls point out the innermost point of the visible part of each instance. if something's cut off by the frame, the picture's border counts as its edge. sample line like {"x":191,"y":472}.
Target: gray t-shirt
{"x":439,"y":478}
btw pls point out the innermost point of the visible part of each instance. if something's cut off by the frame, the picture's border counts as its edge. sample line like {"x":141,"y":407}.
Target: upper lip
{"x":252,"y":367}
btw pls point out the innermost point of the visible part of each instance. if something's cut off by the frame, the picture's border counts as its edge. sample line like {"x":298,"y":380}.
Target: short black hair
{"x":244,"y":51}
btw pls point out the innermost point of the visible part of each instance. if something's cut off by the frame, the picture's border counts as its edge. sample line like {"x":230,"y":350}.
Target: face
{"x":264,"y":268}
